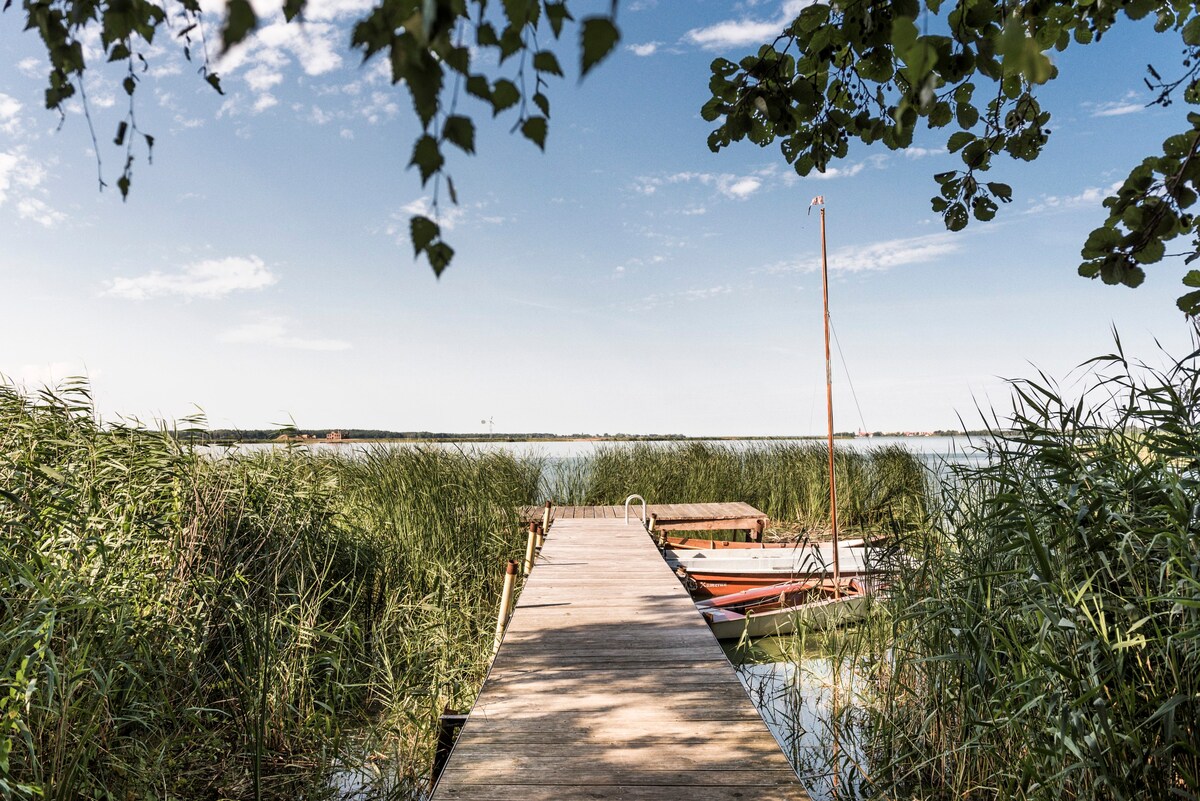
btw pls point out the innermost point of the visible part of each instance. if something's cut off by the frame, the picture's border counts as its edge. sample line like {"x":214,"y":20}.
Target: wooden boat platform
{"x":734,"y":516}
{"x":609,"y":685}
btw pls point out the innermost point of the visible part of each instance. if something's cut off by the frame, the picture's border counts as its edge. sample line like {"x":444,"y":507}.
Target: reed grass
{"x":182,"y":625}
{"x":177,"y":626}
{"x":1043,"y":636}
{"x":881,"y":489}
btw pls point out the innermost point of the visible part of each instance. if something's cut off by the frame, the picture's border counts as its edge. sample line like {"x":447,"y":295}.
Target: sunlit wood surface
{"x":671,"y":516}
{"x":609,"y":685}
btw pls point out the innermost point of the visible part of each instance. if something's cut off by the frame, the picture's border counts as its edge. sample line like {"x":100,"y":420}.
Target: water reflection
{"x":812,"y":703}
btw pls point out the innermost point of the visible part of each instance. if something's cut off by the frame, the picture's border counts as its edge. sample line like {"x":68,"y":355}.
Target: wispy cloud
{"x":745,"y":31}
{"x":276,"y":332}
{"x":210,"y":279}
{"x":21,"y":179}
{"x":736,"y":187}
{"x":644,"y":49}
{"x":1092,"y":196}
{"x":10,"y":110}
{"x":923,"y":152}
{"x":879,"y":256}
{"x":830,"y":173}
{"x":1129,"y":103}
{"x":669,"y":299}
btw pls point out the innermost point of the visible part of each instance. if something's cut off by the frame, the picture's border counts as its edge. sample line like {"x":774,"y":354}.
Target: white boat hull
{"x":813,"y":616}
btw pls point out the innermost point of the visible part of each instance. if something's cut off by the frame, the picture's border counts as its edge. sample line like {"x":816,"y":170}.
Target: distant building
{"x":334,"y":436}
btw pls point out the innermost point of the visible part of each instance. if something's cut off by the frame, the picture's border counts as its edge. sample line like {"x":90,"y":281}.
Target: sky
{"x":628,"y":280}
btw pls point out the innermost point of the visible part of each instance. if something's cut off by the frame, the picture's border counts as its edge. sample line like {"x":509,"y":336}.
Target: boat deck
{"x":734,"y":516}
{"x":609,"y":685}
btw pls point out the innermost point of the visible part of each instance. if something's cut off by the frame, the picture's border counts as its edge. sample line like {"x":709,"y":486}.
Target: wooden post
{"x":546,"y":518}
{"x":449,"y":722}
{"x":759,"y":527}
{"x":527,"y":567}
{"x":540,"y":539}
{"x":653,"y":524}
{"x":506,"y":598}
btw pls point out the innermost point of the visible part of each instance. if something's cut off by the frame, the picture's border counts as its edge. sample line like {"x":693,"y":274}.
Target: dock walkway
{"x":609,"y":685}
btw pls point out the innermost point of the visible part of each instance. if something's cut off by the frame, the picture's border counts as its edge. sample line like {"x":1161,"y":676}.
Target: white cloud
{"x":745,"y":31}
{"x":1118,"y":109}
{"x":261,"y":77}
{"x":21,"y":178}
{"x":1129,"y":103}
{"x":739,"y":188}
{"x":36,"y":210}
{"x":31,"y":68}
{"x":644,"y":49}
{"x":276,"y":332}
{"x":10,"y":109}
{"x":265,"y":102}
{"x":923,"y":152}
{"x":214,"y":278}
{"x":879,"y":256}
{"x":838,"y":172}
{"x":1092,"y":196}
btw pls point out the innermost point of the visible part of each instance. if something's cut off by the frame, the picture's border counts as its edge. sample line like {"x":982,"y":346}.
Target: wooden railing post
{"x":506,"y":599}
{"x":540,"y":540}
{"x":527,"y":567}
{"x":546,"y":518}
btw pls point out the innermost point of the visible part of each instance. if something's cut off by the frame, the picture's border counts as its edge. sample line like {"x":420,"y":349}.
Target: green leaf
{"x":460,"y":131}
{"x":1189,"y":304}
{"x":1002,"y":191}
{"x":439,"y":256}
{"x":504,"y":95}
{"x":129,"y":84}
{"x":545,"y":61}
{"x":1191,"y":32}
{"x":427,"y":156}
{"x":240,"y":20}
{"x":556,"y":13}
{"x":1192,"y":279}
{"x":597,"y":36}
{"x":214,"y":82}
{"x":959,"y":140}
{"x":292,"y":9}
{"x":422,"y":231}
{"x":477,"y":85}
{"x":956,"y":217}
{"x":534,"y":130}
{"x":543,"y":103}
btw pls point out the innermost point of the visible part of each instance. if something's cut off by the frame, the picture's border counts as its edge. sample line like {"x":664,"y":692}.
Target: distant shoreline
{"x":321,"y":437}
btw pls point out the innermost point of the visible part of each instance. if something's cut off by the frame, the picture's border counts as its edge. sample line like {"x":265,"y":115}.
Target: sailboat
{"x":741,"y":605}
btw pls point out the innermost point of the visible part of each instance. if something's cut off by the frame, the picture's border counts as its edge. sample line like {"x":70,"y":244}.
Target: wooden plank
{"x":609,"y":685}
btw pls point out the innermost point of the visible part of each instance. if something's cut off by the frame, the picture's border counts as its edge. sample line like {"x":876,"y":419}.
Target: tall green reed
{"x":178,"y":626}
{"x":1044,"y":638}
{"x":881,"y":488}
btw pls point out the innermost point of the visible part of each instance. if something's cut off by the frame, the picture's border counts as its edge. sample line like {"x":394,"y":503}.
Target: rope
{"x":846,"y":370}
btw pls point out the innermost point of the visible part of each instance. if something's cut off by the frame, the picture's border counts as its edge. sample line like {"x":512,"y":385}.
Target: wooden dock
{"x":734,"y":516}
{"x":609,"y":685}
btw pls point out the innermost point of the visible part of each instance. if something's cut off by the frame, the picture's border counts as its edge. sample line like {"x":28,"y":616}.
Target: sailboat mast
{"x":837,"y":578}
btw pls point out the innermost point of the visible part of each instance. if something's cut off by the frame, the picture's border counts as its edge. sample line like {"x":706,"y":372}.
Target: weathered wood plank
{"x":610,"y":685}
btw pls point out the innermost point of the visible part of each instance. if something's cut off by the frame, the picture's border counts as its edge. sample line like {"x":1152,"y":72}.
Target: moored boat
{"x":811,"y":605}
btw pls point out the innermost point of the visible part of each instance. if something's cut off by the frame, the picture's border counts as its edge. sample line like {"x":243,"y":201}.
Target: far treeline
{"x":232,"y":435}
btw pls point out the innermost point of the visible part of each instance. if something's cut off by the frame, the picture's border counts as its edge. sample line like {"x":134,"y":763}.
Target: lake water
{"x":932,"y":449}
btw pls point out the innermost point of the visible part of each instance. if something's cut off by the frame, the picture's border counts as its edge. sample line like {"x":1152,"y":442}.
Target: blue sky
{"x":628,"y":280}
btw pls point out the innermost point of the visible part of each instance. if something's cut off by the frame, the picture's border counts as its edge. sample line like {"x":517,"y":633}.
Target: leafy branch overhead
{"x":435,"y":49}
{"x":875,"y":70}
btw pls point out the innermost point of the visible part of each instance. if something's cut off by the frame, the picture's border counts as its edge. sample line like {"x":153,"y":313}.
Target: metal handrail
{"x":630,"y":500}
